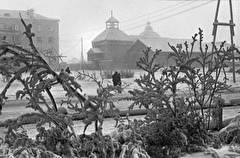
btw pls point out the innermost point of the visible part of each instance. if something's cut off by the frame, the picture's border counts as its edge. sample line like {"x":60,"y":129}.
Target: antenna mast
{"x":81,"y":58}
{"x":231,"y":25}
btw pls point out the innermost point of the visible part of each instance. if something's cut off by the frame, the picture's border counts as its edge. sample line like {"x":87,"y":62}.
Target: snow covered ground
{"x":89,"y":88}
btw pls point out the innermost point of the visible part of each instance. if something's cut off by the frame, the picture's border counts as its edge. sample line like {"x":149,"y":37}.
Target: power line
{"x":169,"y":16}
{"x":177,"y":8}
{"x":163,"y":18}
{"x":184,"y":11}
{"x":154,"y":11}
{"x":71,"y":48}
{"x":172,"y":15}
{"x":102,"y":27}
{"x":184,"y":5}
{"x":91,"y":30}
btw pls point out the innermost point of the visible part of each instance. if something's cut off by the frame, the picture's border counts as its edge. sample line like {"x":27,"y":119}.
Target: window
{"x":3,"y":26}
{"x":49,"y":53}
{"x":16,"y":27}
{"x":7,"y":14}
{"x":39,"y":39}
{"x":16,"y":39}
{"x":50,"y":28}
{"x":50,"y":40}
{"x":1,"y":36}
{"x":9,"y":26}
{"x":39,"y":28}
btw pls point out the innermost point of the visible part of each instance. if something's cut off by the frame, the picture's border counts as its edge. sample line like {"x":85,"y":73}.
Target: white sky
{"x":173,"y":19}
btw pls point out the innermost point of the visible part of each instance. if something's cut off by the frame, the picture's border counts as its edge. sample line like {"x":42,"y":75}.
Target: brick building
{"x":46,"y":31}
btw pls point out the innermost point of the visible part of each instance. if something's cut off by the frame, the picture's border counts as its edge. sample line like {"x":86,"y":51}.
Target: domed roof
{"x":148,"y":32}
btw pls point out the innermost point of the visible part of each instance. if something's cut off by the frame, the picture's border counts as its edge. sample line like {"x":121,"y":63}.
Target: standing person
{"x":119,"y":79}
{"x":116,"y":78}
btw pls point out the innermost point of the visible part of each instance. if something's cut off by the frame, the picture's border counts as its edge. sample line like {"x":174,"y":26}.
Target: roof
{"x":112,"y":34}
{"x":112,"y":20}
{"x":136,"y":47}
{"x":150,"y":38}
{"x":24,"y":14}
{"x":160,"y":42}
{"x":95,"y":50}
{"x":148,"y":32}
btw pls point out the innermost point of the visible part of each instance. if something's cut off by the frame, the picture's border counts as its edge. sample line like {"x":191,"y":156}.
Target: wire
{"x":154,"y":11}
{"x":184,"y":5}
{"x":186,"y":10}
{"x":160,"y":19}
{"x":95,"y":29}
{"x":71,"y":48}
{"x":102,"y":27}
{"x":172,"y":15}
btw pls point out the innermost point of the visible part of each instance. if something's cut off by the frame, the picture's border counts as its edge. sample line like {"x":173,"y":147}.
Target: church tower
{"x":113,"y":42}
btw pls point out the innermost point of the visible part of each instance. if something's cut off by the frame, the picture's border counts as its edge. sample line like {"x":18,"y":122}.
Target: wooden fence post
{"x":220,"y":105}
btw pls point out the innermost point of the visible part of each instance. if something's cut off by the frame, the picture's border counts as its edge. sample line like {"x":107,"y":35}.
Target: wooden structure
{"x":109,"y":47}
{"x":231,"y":25}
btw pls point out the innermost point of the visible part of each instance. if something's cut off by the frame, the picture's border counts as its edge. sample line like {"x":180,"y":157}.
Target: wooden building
{"x":113,"y":49}
{"x":109,"y":47}
{"x":150,"y":38}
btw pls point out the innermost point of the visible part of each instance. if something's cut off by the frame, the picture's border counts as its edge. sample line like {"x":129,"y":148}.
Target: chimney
{"x":30,"y":13}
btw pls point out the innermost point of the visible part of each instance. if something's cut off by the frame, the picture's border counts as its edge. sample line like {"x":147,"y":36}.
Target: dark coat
{"x":116,"y":78}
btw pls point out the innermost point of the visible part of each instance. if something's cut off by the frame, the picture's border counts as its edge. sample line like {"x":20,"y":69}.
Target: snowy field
{"x":89,"y":88}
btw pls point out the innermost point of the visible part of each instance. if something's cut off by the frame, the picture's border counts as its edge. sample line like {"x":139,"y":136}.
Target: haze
{"x":86,"y":18}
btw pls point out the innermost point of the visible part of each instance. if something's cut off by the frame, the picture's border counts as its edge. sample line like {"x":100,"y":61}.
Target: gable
{"x":137,"y":47}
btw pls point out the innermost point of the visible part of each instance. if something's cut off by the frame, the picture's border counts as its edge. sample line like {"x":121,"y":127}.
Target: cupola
{"x":148,"y":32}
{"x":112,"y":22}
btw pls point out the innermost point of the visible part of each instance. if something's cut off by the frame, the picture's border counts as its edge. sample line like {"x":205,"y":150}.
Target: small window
{"x":16,"y":27}
{"x":39,"y":39}
{"x":9,"y":26}
{"x":50,"y":40}
{"x":39,"y":28}
{"x":50,"y":29}
{"x":16,"y":39}
{"x":7,"y":14}
{"x":49,"y":52}
{"x":3,"y":26}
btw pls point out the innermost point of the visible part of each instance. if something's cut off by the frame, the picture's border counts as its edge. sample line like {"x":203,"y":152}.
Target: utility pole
{"x":231,"y":25}
{"x":81,"y":58}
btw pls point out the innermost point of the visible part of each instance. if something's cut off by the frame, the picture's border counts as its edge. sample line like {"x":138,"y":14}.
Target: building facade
{"x":46,"y":32}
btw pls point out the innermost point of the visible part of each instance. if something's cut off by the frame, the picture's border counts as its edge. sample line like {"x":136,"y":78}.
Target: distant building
{"x":109,"y":47}
{"x":113,"y":49}
{"x":150,"y":38}
{"x":46,"y":32}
